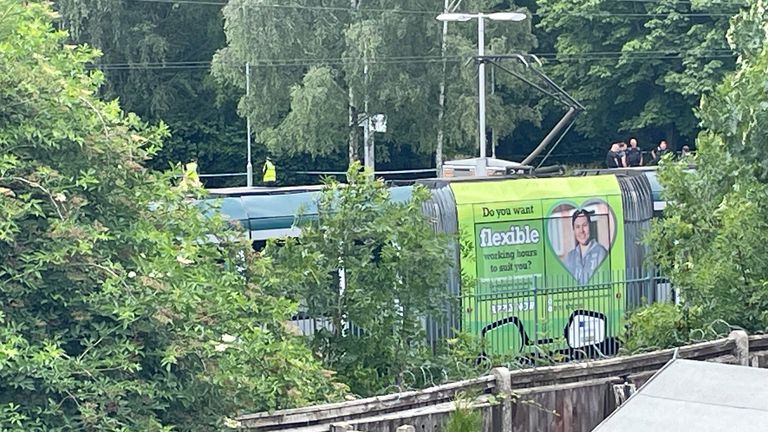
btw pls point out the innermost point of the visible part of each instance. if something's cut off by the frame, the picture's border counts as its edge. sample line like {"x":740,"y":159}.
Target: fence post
{"x":503,"y":389}
{"x":741,"y":350}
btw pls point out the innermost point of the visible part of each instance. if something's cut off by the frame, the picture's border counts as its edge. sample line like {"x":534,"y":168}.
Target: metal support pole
{"x":448,"y":6}
{"x":369,"y":154}
{"x":494,"y":138}
{"x":370,"y":147}
{"x":249,"y":165}
{"x":567,"y":118}
{"x":481,"y":83}
{"x":368,"y":141}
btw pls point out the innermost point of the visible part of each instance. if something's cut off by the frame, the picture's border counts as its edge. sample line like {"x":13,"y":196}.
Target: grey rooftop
{"x":687,"y":395}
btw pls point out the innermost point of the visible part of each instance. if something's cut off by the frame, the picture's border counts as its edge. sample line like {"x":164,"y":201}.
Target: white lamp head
{"x":506,"y":16}
{"x":455,"y":17}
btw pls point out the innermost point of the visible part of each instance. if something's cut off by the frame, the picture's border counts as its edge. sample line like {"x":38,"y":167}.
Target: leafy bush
{"x":370,"y":263}
{"x":118,"y":309}
{"x":464,"y":419}
{"x":663,"y":325}
{"x":711,"y":242}
{"x":657,"y":326}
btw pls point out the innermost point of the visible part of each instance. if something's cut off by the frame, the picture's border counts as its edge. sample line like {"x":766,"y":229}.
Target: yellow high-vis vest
{"x":190,"y":178}
{"x":270,"y":176}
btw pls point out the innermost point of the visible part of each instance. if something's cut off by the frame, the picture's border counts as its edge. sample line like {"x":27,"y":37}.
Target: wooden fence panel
{"x":426,"y":419}
{"x":581,"y":394}
{"x":576,"y":407}
{"x":339,"y":412}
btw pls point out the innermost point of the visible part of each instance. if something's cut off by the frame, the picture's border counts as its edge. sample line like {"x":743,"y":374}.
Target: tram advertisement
{"x":542,"y":262}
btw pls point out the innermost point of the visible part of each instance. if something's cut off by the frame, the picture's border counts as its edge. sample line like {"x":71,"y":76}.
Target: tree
{"x":156,"y":60}
{"x":139,"y":41}
{"x":316,"y":68}
{"x":281,"y":43}
{"x":372,"y":263}
{"x":638,"y":67}
{"x":123,"y":306}
{"x":711,"y":240}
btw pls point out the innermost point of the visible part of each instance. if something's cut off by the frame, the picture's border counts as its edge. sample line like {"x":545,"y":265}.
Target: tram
{"x":542,"y":264}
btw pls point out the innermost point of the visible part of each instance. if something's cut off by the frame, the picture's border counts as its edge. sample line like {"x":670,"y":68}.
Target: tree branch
{"x":45,"y":191}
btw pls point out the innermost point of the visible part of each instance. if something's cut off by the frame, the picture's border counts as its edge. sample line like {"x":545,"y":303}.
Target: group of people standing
{"x":621,"y":156}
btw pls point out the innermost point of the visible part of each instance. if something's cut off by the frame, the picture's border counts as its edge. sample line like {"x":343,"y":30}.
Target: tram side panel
{"x":542,"y":263}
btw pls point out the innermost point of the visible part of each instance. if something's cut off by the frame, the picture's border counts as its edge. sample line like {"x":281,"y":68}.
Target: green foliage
{"x":711,"y":241}
{"x":656,"y":326}
{"x":464,"y":419}
{"x":369,"y":51}
{"x":134,"y":35}
{"x":311,"y":127}
{"x":663,"y":325}
{"x":638,"y":66}
{"x":155,"y":60}
{"x":737,"y":112}
{"x":394,"y":270}
{"x":458,"y":357}
{"x":117,"y":311}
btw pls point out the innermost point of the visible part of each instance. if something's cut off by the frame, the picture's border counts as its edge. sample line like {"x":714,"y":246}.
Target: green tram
{"x":544,"y":266}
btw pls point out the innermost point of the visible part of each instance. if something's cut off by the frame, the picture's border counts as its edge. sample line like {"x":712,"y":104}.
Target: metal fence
{"x":549,"y":319}
{"x":552,"y":317}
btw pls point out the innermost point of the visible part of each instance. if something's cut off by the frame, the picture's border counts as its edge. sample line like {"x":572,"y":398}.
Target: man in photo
{"x":588,"y":254}
{"x":634,"y":154}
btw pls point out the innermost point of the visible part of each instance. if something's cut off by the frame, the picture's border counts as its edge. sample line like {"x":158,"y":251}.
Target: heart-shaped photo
{"x":582,"y":236}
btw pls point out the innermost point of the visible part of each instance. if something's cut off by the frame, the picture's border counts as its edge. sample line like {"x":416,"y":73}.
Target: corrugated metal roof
{"x":689,"y":395}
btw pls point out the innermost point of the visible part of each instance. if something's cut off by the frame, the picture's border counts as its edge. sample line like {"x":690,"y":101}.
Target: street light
{"x":497,"y":16}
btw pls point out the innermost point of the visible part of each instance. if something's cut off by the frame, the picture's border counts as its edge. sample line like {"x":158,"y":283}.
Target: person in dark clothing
{"x":623,"y":154}
{"x":634,"y":154}
{"x":660,"y":151}
{"x":612,"y":158}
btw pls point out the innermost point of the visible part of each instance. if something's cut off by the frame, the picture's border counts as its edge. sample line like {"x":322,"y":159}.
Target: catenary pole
{"x":481,"y":82}
{"x":249,"y":165}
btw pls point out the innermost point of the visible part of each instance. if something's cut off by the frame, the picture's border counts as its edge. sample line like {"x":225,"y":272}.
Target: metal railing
{"x":550,"y":319}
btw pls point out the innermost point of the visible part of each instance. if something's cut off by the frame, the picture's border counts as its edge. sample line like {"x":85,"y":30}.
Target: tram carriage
{"x":550,"y":264}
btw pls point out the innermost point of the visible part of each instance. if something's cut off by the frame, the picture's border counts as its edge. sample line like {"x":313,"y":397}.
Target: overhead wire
{"x":291,"y":63}
{"x":559,"y":57}
{"x":436,"y":12}
{"x":675,"y":2}
{"x":297,"y":6}
{"x":421,"y":57}
{"x":300,"y":60}
{"x":303,"y":62}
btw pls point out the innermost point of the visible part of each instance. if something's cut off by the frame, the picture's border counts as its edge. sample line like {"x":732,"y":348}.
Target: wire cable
{"x":309,"y":62}
{"x":555,"y":57}
{"x":437,"y":12}
{"x":300,"y":7}
{"x":424,"y":57}
{"x":682,"y":2}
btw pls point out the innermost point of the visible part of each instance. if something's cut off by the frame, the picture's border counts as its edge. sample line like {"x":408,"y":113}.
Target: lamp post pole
{"x":481,"y":83}
{"x":496,"y":16}
{"x":249,"y":164}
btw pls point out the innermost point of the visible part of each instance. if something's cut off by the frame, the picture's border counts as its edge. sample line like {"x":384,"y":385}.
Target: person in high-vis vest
{"x":270,"y":176}
{"x":190,"y":178}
